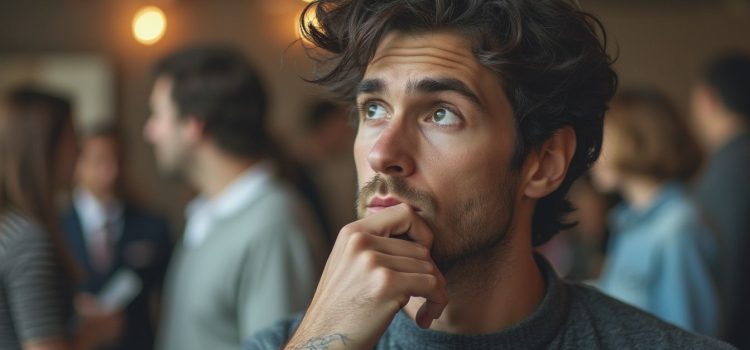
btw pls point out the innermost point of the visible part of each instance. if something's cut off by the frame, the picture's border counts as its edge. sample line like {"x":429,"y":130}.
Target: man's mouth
{"x":380,"y":203}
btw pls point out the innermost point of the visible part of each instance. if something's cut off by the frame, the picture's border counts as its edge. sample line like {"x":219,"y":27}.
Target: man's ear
{"x":546,"y":167}
{"x":192,"y":129}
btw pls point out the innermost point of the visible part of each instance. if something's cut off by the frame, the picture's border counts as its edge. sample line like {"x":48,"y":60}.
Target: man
{"x":325,"y":173}
{"x":721,"y":113}
{"x":474,"y":118}
{"x":248,"y":256}
{"x":108,"y":234}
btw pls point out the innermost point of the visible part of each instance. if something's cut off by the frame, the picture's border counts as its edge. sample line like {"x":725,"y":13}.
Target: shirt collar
{"x":94,"y":214}
{"x":534,"y":332}
{"x":247,"y":187}
{"x":625,"y":215}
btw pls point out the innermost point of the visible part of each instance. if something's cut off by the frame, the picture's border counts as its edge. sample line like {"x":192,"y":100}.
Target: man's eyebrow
{"x":369,"y":86}
{"x":429,"y":85}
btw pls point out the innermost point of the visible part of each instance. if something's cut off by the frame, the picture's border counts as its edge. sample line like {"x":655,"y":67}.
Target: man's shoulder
{"x":594,"y":321}
{"x":276,"y":199}
{"x":614,"y":324}
{"x":141,"y":224}
{"x":143,"y":216}
{"x":728,"y":166}
{"x":276,"y":214}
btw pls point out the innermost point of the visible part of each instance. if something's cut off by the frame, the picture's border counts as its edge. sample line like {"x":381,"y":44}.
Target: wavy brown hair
{"x":549,"y":55}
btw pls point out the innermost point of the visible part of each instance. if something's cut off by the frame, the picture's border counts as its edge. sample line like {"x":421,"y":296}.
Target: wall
{"x":663,"y":43}
{"x":666,"y":43}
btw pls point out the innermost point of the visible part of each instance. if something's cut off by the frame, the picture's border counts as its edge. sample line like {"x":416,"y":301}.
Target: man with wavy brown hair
{"x":475,"y":116}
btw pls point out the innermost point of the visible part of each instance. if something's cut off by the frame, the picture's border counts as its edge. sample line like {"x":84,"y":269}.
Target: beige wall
{"x":660,"y":42}
{"x":666,"y":43}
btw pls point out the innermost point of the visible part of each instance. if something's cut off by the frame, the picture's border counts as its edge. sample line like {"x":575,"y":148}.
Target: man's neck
{"x":508,"y":290}
{"x":214,"y":170}
{"x":103,"y":197}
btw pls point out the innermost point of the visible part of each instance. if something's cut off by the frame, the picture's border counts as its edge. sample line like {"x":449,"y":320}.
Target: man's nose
{"x":393,"y":152}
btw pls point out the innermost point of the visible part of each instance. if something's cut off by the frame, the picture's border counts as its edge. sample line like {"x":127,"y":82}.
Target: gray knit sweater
{"x":571,"y":316}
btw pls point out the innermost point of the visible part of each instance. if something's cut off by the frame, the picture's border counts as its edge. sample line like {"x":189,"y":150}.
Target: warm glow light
{"x":149,"y":25}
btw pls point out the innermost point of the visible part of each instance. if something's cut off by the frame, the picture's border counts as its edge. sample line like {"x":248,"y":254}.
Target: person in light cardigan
{"x":251,"y":251}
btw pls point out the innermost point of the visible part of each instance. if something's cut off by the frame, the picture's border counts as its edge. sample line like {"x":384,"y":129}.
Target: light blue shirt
{"x":664,"y":260}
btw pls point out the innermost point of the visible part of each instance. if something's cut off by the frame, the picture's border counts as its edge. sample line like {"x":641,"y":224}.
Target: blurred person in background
{"x":251,"y":250}
{"x":577,"y":253}
{"x":37,"y":155}
{"x":325,"y":174}
{"x":662,"y":257}
{"x":107,"y":234}
{"x":721,"y":114}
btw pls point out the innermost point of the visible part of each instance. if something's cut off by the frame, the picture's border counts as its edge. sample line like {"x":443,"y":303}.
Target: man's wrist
{"x":326,"y":342}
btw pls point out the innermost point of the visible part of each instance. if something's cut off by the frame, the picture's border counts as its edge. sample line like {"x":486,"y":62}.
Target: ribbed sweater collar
{"x":535,"y":332}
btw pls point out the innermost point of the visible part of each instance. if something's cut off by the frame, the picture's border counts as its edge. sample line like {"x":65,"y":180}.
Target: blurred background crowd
{"x":125,"y":158}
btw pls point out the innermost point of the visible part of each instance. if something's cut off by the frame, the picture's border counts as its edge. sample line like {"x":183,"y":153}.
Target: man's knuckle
{"x":358,"y":241}
{"x":370,"y":259}
{"x":431,"y":282}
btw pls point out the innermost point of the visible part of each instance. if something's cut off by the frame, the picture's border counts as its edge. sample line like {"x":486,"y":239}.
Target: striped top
{"x":31,"y":284}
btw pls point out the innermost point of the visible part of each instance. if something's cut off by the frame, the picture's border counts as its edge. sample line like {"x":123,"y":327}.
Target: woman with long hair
{"x":663,"y":255}
{"x":37,"y":155}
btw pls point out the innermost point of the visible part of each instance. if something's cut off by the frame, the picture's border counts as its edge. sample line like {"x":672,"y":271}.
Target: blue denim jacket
{"x":664,"y":260}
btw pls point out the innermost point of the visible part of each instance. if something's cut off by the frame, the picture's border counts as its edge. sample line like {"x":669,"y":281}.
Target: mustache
{"x":395,"y":186}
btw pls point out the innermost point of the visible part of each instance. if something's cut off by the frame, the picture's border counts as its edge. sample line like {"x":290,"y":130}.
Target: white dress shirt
{"x":94,"y":215}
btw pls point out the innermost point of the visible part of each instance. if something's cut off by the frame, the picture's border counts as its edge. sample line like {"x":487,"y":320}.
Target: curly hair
{"x":549,"y":55}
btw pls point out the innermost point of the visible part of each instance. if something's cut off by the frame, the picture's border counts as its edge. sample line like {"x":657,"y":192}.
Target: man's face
{"x":165,"y":130}
{"x":98,"y":166}
{"x":437,"y":132}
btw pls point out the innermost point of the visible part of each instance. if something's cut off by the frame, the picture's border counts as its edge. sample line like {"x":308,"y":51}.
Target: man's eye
{"x":374,"y":111}
{"x":444,"y":117}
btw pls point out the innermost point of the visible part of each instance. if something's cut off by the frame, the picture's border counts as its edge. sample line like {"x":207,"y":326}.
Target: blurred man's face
{"x":437,"y":132}
{"x":165,"y":130}
{"x":98,"y":165}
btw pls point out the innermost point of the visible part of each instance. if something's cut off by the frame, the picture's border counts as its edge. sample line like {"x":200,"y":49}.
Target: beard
{"x":470,"y":232}
{"x":173,"y":167}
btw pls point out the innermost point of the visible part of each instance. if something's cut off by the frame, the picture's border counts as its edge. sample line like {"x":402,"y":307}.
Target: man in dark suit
{"x":721,"y":113}
{"x":107,"y":235}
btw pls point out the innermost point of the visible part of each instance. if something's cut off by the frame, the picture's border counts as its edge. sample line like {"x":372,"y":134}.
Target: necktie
{"x":102,"y":252}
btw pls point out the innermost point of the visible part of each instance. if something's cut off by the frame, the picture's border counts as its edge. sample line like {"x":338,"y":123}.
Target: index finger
{"x":394,"y":221}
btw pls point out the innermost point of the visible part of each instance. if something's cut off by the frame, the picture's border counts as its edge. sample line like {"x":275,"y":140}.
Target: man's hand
{"x":98,"y":326}
{"x":368,"y":278}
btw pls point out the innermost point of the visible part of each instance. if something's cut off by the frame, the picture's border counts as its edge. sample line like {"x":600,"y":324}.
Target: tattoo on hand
{"x":322,"y":343}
